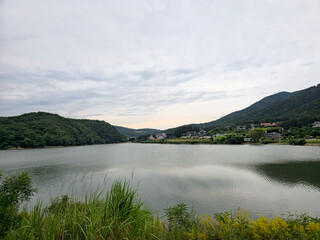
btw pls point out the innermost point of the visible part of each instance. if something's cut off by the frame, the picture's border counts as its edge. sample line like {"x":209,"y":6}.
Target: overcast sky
{"x":148,"y":63}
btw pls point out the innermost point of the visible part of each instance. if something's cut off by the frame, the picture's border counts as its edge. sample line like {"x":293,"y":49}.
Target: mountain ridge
{"x":131,"y":132}
{"x":289,"y":108}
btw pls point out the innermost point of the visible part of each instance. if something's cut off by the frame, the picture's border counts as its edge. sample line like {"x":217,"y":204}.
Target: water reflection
{"x":212,"y":178}
{"x":292,"y":173}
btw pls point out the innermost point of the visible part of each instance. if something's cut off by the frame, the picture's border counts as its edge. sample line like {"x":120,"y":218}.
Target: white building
{"x":316,"y":124}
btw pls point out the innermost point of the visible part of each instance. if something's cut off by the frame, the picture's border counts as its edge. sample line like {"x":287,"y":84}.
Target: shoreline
{"x":50,"y":147}
{"x":208,"y":143}
{"x":176,"y":143}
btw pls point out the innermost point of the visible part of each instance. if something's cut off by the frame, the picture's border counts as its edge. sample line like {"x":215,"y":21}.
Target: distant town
{"x":264,"y":132}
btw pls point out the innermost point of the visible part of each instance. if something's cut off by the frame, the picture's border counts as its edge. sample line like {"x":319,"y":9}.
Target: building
{"x":273,"y":136}
{"x":190,"y":134}
{"x":161,"y":136}
{"x":241,"y":127}
{"x":219,"y":135}
{"x":316,"y":124}
{"x":202,"y":133}
{"x":268,"y":124}
{"x":151,"y":137}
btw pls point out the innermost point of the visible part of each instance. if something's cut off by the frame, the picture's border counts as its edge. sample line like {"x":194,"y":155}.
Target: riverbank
{"x":309,"y":142}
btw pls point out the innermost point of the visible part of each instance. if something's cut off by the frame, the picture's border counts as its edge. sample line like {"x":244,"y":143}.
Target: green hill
{"x":130,"y":132}
{"x":302,"y":108}
{"x":289,"y":109}
{"x":45,"y":129}
{"x":246,"y":114}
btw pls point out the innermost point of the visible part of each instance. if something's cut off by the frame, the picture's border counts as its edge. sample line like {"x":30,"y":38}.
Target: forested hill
{"x":130,"y":132}
{"x":45,"y":129}
{"x":289,"y":109}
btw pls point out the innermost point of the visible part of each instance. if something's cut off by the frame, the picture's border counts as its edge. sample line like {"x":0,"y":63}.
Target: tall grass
{"x":119,"y":214}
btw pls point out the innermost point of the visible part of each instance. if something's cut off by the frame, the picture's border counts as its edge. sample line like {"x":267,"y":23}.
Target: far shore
{"x":165,"y":142}
{"x":197,"y":142}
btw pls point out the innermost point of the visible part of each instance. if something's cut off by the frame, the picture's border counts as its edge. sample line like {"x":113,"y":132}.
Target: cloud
{"x":125,"y":94}
{"x":307,"y":64}
{"x":130,"y":59}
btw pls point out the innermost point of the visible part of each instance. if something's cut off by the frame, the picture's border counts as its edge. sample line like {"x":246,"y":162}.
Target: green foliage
{"x":297,"y":142}
{"x":248,"y":115}
{"x":14,"y":190}
{"x":182,"y":223}
{"x":228,"y":226}
{"x":229,"y":139}
{"x":119,"y":215}
{"x":273,"y":129}
{"x":125,"y":211}
{"x":302,"y":132}
{"x":41,"y":129}
{"x":129,"y":132}
{"x":177,"y":132}
{"x":132,"y":139}
{"x":179,"y":217}
{"x":142,"y":138}
{"x":239,"y":226}
{"x":256,"y":134}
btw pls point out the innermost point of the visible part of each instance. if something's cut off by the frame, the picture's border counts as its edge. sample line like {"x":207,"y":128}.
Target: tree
{"x":14,"y":190}
{"x":256,"y":134}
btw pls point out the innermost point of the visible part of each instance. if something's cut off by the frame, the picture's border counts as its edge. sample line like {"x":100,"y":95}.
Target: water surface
{"x":267,"y":179}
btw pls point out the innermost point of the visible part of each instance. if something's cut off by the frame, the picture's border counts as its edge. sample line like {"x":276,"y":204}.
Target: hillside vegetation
{"x":294,"y":109}
{"x":130,"y":132}
{"x":45,"y":129}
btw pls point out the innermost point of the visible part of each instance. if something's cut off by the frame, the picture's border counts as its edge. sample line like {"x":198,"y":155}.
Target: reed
{"x":119,"y":214}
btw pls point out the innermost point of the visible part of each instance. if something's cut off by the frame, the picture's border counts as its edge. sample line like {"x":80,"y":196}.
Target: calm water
{"x":270,"y":179}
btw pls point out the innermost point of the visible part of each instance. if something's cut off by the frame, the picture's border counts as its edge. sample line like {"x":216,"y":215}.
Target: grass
{"x":313,"y":141}
{"x":119,"y":214}
{"x":182,"y":141}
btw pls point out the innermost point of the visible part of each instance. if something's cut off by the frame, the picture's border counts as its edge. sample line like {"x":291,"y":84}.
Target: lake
{"x":266,"y":179}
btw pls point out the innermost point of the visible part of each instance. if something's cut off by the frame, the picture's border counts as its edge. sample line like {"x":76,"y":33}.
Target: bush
{"x":229,"y":139}
{"x":183,"y":224}
{"x":14,"y":190}
{"x":297,"y":142}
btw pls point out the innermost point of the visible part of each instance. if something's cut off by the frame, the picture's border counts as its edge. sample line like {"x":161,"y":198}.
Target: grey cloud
{"x":308,"y":64}
{"x":90,"y":115}
{"x":128,"y":59}
{"x":242,"y":64}
{"x":123,"y":94}
{"x":146,"y":74}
